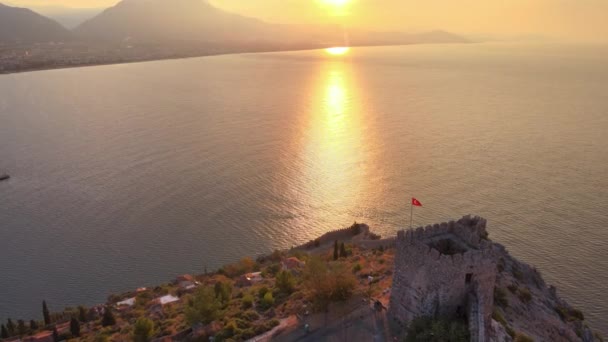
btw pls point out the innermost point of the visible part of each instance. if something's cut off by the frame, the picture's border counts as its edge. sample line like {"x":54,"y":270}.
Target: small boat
{"x":4,"y":177}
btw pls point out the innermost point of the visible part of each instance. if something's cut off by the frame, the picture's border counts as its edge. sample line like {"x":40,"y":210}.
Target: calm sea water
{"x":127,"y":175}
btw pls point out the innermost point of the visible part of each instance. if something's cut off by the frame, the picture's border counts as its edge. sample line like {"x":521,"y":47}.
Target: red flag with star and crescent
{"x":416,"y":202}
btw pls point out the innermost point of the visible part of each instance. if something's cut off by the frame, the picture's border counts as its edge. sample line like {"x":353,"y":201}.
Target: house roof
{"x":168,"y":299}
{"x":127,"y":302}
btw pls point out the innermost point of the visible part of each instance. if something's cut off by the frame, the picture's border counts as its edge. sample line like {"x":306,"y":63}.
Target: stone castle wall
{"x":428,"y":283}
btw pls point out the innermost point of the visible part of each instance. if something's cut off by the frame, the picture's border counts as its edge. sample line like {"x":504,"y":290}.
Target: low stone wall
{"x":375,"y":244}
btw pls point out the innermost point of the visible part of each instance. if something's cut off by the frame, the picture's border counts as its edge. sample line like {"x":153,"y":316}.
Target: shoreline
{"x":202,"y":55}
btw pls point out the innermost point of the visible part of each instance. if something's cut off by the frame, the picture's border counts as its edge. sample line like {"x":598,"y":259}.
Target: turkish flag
{"x":416,"y":202}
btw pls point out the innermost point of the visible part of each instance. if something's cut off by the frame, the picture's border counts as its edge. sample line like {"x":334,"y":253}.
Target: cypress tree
{"x":336,"y":250}
{"x":10,"y":326}
{"x":342,"y":251}
{"x":33,"y":325}
{"x":21,"y":328}
{"x":3,"y":332}
{"x":75,"y":327}
{"x":45,"y":313}
{"x":82,"y":314}
{"x":108,"y":318}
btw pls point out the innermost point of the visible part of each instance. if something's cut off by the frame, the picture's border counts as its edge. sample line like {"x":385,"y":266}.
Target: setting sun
{"x":338,"y":50}
{"x":336,"y":2}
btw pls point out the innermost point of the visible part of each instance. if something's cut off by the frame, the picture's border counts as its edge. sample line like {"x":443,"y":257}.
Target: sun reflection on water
{"x":334,"y":147}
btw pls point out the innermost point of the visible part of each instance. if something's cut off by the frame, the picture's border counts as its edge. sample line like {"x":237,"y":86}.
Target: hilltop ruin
{"x":445,"y":269}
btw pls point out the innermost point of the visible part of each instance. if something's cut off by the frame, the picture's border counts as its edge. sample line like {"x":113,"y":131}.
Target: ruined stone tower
{"x":446,"y":269}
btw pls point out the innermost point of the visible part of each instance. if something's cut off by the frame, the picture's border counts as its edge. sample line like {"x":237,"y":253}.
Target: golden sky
{"x":584,"y":20}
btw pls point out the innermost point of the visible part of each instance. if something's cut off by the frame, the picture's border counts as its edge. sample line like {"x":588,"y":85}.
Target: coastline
{"x":59,"y":66}
{"x":528,"y":304}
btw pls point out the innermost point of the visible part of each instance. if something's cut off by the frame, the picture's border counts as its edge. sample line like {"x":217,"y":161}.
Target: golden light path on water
{"x":335,"y":141}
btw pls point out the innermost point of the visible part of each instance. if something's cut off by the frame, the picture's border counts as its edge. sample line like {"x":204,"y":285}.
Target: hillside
{"x":177,"y":20}
{"x":23,"y":26}
{"x":336,"y":286}
{"x":196,"y":21}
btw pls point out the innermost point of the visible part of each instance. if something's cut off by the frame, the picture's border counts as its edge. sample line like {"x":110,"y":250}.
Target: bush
{"x":285,"y":282}
{"x":204,"y":307}
{"x":511,"y":332}
{"x":357,"y":268}
{"x":569,"y":314}
{"x":437,"y":330}
{"x":498,"y":317}
{"x":262,"y":292}
{"x":268,"y":301}
{"x":143,"y":330}
{"x":500,"y":297}
{"x":521,"y":337}
{"x":517,"y":272}
{"x":524,"y":295}
{"x":247,"y":301}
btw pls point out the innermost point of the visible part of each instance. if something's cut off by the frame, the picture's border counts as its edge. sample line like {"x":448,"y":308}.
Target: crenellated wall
{"x":428,"y":283}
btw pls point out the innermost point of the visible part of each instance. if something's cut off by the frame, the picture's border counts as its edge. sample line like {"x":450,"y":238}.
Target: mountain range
{"x":191,"y":21}
{"x":21,"y":25}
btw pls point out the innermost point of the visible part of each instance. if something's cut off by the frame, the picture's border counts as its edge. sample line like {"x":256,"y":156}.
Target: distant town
{"x":41,"y":56}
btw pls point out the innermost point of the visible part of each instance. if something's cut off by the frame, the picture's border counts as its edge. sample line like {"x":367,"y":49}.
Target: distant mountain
{"x":23,"y":26}
{"x":173,"y":20}
{"x":158,"y":21}
{"x":67,"y":16}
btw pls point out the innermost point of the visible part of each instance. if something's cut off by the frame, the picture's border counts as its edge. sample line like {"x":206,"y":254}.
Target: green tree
{"x":343,"y":253}
{"x":3,"y":332}
{"x":223,"y":291}
{"x":21,"y":328}
{"x":33,"y":325}
{"x":82,"y":314}
{"x":143,"y":330}
{"x":108,"y":317}
{"x":10,"y":326}
{"x":75,"y":327}
{"x":268,"y":300}
{"x":285,"y":282}
{"x":204,"y":307}
{"x":247,"y":301}
{"x":336,"y":250}
{"x":45,"y":313}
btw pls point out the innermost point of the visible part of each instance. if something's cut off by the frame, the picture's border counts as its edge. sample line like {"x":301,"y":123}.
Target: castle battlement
{"x":438,"y":268}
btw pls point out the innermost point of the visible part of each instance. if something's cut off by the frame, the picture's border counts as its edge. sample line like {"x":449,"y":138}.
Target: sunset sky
{"x":578,"y":20}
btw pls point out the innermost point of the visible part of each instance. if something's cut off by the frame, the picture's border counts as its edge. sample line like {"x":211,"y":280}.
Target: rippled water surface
{"x":128,"y":175}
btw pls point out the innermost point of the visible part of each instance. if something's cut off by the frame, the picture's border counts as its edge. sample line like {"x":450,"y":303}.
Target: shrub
{"x":524,"y":295}
{"x":517,"y":272}
{"x":498,"y":317}
{"x":569,"y":314}
{"x":204,"y":307}
{"x":511,"y":332}
{"x":285,"y":282}
{"x":268,"y":300}
{"x":143,"y":330}
{"x":521,"y":337}
{"x":262,"y":292}
{"x":247,"y":301}
{"x":357,"y":268}
{"x":223,"y":291}
{"x":437,"y":330}
{"x":500,"y":297}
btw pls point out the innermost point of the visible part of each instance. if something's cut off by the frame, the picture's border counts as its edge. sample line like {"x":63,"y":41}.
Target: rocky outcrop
{"x":528,"y":306}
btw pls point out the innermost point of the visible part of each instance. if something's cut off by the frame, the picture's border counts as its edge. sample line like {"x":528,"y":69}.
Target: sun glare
{"x":338,"y":50}
{"x":336,"y":2}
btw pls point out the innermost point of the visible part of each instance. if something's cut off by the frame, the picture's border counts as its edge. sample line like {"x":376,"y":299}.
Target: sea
{"x":128,"y":175}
